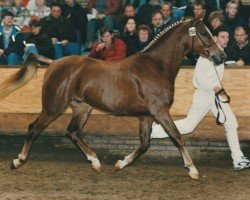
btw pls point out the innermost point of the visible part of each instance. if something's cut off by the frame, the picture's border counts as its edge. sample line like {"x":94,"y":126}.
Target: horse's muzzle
{"x":218,"y":58}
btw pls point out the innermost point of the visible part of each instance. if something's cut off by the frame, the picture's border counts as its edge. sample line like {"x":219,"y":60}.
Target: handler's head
{"x":221,"y":35}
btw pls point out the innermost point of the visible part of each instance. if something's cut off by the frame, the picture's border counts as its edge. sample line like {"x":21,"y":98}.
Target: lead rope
{"x":218,"y":101}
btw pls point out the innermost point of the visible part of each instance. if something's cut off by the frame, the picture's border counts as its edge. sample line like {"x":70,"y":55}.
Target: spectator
{"x":136,"y":3}
{"x":107,"y":10}
{"x":167,"y":11}
{"x":61,"y":32}
{"x":216,"y":19}
{"x":144,"y":34}
{"x":240,"y":52}
{"x":38,"y":42}
{"x":3,"y":7}
{"x":196,"y":8}
{"x":233,"y":19}
{"x":41,"y":10}
{"x":11,"y":40}
{"x":110,"y":48}
{"x":78,"y":17}
{"x":146,"y":10}
{"x":157,"y":22}
{"x":21,"y":14}
{"x":130,"y":37}
{"x":129,"y":11}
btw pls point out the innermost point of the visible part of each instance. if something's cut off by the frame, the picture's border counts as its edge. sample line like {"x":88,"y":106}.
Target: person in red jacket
{"x":110,"y":48}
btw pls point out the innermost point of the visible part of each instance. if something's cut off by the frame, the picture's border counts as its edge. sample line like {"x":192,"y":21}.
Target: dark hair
{"x":219,"y":29}
{"x":35,"y":23}
{"x":7,"y":13}
{"x":144,"y":28}
{"x":168,"y":4}
{"x":105,"y":29}
{"x":129,"y":5}
{"x":54,"y":4}
{"x":156,"y":12}
{"x":200,"y":3}
{"x":216,"y":15}
{"x":128,"y":18}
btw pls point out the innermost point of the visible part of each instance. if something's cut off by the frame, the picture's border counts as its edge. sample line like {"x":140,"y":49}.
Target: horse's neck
{"x":171,"y":51}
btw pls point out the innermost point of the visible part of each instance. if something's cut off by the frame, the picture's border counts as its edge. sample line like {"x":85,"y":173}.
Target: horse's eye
{"x":205,"y":33}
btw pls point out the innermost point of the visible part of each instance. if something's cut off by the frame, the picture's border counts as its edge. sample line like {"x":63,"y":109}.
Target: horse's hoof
{"x":118,"y":165}
{"x":12,"y":165}
{"x":194,"y":176}
{"x":96,"y":168}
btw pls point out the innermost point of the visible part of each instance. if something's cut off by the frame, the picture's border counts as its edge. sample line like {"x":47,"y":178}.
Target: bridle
{"x":193,"y":33}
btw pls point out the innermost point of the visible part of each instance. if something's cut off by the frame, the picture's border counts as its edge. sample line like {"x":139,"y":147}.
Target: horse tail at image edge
{"x":22,"y":76}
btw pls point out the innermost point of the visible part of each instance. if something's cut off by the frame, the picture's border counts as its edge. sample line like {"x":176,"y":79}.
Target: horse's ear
{"x":200,"y":17}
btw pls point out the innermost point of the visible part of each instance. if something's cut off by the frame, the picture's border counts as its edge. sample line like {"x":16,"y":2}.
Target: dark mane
{"x":160,"y":35}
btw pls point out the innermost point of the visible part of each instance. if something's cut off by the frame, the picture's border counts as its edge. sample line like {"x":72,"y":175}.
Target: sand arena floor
{"x":65,"y":174}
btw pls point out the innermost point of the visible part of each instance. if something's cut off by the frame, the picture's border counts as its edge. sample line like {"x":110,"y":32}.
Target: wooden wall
{"x":22,"y":106}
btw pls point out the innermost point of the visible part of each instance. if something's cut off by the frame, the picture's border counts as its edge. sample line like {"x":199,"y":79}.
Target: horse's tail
{"x":22,"y":76}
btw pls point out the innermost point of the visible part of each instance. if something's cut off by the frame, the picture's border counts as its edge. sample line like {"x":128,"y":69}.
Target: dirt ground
{"x":65,"y":174}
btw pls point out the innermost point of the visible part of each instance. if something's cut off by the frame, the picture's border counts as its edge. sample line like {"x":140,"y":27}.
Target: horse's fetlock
{"x":21,"y":158}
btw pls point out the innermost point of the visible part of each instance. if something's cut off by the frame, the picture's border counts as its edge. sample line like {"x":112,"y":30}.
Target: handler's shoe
{"x":243,"y":164}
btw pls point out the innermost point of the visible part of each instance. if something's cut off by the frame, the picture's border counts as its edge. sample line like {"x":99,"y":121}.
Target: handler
{"x":208,"y":86}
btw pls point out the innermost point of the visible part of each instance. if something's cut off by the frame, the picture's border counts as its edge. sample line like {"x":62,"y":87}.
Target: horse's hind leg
{"x":35,"y":129}
{"x":163,"y":117}
{"x":81,"y":112}
{"x":145,"y":131}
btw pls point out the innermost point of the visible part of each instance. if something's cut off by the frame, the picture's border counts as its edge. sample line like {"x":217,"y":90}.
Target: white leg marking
{"x":123,"y":163}
{"x":16,"y":163}
{"x":95,"y":162}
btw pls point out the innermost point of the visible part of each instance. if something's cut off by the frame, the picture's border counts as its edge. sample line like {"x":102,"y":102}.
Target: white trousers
{"x":204,"y":101}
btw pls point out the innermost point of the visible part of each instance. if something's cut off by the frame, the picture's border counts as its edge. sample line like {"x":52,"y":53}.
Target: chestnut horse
{"x":141,"y":85}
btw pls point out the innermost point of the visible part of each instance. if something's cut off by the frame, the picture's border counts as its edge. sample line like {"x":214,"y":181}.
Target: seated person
{"x":129,"y":11}
{"x":146,"y":10}
{"x":216,"y":19}
{"x":107,"y":11}
{"x":167,"y":11}
{"x":136,"y":3}
{"x":195,"y":8}
{"x":38,"y":42}
{"x":41,"y":10}
{"x":78,"y":17}
{"x":157,"y":22}
{"x":129,"y":36}
{"x":144,"y":37}
{"x":11,"y":41}
{"x":61,"y":32}
{"x":21,"y":14}
{"x":240,"y":51}
{"x":110,"y":48}
{"x":233,"y":19}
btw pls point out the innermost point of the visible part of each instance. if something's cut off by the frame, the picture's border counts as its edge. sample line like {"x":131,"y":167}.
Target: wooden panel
{"x":236,"y":82}
{"x":111,"y":125}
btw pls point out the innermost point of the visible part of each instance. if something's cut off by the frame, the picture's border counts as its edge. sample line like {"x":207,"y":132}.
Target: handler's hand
{"x":217,"y":89}
{"x":1,"y":52}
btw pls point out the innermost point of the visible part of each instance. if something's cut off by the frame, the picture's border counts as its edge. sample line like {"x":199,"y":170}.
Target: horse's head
{"x":203,"y":42}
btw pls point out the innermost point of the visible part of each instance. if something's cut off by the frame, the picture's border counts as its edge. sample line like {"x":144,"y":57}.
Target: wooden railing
{"x":22,"y":106}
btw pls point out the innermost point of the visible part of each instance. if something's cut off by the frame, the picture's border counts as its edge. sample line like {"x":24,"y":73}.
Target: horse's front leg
{"x":162,"y":116}
{"x":145,"y":131}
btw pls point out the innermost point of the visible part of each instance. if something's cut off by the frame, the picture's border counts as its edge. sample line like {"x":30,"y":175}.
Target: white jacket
{"x":205,"y":77}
